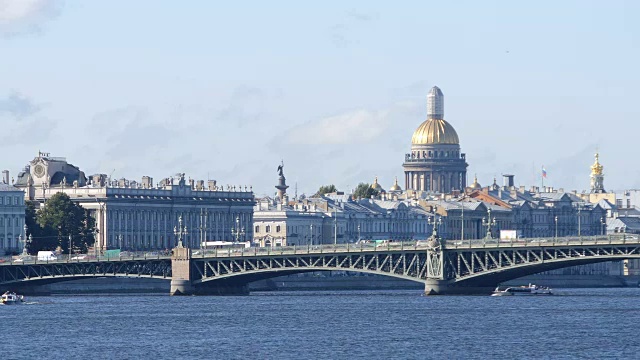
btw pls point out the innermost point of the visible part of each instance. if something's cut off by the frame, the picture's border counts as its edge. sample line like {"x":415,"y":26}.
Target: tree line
{"x":363,"y":191}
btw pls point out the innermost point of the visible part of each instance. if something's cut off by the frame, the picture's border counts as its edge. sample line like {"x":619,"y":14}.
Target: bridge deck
{"x":399,"y":246}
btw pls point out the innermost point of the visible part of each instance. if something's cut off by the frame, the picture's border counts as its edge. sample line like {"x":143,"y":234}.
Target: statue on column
{"x":281,"y":169}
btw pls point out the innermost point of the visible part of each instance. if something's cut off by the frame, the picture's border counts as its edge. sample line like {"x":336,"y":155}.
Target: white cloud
{"x":361,"y":126}
{"x":21,"y":16}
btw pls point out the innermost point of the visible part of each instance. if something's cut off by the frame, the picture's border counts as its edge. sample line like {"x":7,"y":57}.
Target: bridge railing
{"x":617,"y":239}
{"x":80,"y":258}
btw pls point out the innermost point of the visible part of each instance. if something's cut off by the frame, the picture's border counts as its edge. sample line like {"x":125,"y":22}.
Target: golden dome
{"x":475,"y":185}
{"x":376,"y":185}
{"x":395,"y":186}
{"x":435,"y":131}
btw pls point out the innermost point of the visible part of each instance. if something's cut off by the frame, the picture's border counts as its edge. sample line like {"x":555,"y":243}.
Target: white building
{"x":140,"y":216}
{"x":12,"y":213}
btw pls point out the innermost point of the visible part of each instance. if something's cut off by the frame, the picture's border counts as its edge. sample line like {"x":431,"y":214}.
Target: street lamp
{"x":556,"y":219}
{"x":24,"y":242}
{"x":238,"y":231}
{"x":95,"y":245}
{"x":180,"y":231}
{"x":436,"y":222}
{"x":311,"y":226}
{"x":579,"y":208}
{"x":120,"y":242}
{"x":488,"y":223}
{"x":358,"y":232}
{"x":70,"y":245}
{"x":602,"y":222}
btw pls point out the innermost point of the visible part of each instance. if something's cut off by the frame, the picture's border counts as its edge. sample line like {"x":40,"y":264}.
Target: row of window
{"x":267,"y":228}
{"x":8,"y":221}
{"x":434,"y":154}
{"x":11,"y":200}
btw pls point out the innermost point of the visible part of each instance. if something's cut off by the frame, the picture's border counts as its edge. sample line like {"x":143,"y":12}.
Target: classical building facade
{"x":140,"y":216}
{"x":337,"y":219}
{"x":12,"y":213}
{"x":435,"y":163}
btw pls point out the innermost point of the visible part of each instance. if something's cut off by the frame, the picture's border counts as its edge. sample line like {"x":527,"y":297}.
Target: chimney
{"x":5,"y":176}
{"x":507,"y":181}
{"x":147,"y":182}
{"x":200,"y":185}
{"x":211,"y":184}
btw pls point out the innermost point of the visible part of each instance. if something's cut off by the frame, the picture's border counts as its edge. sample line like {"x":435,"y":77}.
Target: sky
{"x":335,"y":89}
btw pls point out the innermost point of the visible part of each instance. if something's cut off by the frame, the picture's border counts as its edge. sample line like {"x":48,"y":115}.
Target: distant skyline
{"x":228,"y":90}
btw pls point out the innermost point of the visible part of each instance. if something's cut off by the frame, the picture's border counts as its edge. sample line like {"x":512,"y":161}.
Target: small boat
{"x":11,"y":298}
{"x":522,"y":290}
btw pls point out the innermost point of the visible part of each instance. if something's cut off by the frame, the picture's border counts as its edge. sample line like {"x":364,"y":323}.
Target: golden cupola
{"x":596,"y":168}
{"x":435,"y":130}
{"x":376,"y":186}
{"x":395,"y":186}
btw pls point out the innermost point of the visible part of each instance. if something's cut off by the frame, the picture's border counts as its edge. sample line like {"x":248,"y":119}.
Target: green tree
{"x":364,"y":191}
{"x":326,"y":189}
{"x":61,"y":218}
{"x":38,"y":239}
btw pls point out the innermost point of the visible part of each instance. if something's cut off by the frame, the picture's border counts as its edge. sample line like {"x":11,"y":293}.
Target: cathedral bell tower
{"x":597,"y":177}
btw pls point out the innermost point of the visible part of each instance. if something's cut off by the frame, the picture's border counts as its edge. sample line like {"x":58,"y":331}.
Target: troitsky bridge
{"x":444,"y":267}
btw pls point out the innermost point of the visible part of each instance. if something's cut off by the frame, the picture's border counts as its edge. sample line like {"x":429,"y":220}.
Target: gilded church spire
{"x":597,"y":176}
{"x":596,"y":168}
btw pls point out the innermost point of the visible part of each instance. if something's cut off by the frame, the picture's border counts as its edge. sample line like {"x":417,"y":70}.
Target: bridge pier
{"x":181,"y":272}
{"x":436,"y":287}
{"x":445,"y":287}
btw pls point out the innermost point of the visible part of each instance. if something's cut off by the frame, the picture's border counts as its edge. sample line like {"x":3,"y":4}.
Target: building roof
{"x":7,"y":187}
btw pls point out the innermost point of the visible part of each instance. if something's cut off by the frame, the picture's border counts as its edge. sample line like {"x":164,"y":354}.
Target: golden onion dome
{"x":435,"y":131}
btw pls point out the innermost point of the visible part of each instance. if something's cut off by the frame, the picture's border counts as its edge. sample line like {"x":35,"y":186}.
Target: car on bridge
{"x":23,"y":258}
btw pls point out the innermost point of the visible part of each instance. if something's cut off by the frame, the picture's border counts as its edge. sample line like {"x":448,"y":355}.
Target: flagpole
{"x":542,"y":178}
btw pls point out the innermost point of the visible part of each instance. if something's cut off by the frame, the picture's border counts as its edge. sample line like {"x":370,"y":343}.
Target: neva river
{"x":579,"y":323}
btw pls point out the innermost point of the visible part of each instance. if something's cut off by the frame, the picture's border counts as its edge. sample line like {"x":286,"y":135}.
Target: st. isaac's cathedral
{"x":435,"y":163}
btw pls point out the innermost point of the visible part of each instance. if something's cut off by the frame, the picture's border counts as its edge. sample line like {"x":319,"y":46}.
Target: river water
{"x":577,"y":323}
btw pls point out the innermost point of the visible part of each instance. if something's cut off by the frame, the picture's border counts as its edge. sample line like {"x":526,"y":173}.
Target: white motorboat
{"x":522,"y":290}
{"x":11,"y":298}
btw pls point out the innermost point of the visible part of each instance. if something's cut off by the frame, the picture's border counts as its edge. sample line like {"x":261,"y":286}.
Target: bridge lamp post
{"x":311,"y":227}
{"x":556,"y":219}
{"x":70,"y":245}
{"x":488,"y":223}
{"x":238,"y":231}
{"x":24,"y":243}
{"x":29,"y":240}
{"x":95,"y":238}
{"x":180,"y":231}
{"x":579,"y":208}
{"x":358,"y":232}
{"x":602,"y":223}
{"x":120,"y":241}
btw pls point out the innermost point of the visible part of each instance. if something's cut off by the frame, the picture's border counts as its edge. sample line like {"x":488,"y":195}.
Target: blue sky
{"x":336,"y":89}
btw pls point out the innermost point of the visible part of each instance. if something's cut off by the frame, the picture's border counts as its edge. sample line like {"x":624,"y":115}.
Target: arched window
{"x":268,"y":228}
{"x":278,"y":228}
{"x":257,"y":228}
